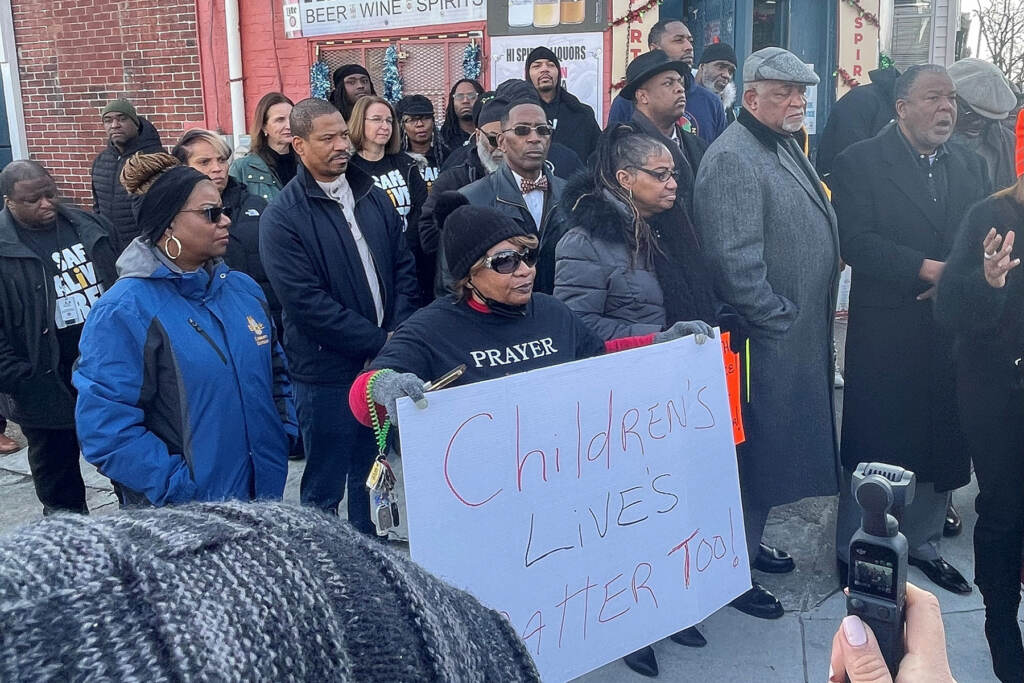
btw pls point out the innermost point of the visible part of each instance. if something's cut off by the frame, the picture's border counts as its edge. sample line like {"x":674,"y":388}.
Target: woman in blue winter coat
{"x":183,"y":392}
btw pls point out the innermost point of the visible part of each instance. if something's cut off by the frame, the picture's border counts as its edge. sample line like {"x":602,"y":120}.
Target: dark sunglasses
{"x":213,"y":213}
{"x":492,"y":140}
{"x":523,"y":130}
{"x":507,"y":261}
{"x":660,"y":176}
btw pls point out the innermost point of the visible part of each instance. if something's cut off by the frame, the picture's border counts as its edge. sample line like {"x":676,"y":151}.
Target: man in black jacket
{"x":574,"y":122}
{"x":900,"y":198}
{"x":858,"y":115}
{"x":332,"y":246}
{"x":127,"y":133}
{"x":522,"y":188}
{"x":55,"y":262}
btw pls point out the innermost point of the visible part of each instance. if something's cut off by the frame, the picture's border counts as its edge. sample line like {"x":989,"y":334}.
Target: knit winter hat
{"x":235,"y":591}
{"x":121,"y":106}
{"x":338,"y":77}
{"x":489,"y":109}
{"x":718,"y":52}
{"x":469,"y":231}
{"x":542,"y":53}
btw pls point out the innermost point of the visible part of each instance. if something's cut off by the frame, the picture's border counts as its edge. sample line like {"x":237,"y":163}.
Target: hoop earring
{"x":167,"y":250}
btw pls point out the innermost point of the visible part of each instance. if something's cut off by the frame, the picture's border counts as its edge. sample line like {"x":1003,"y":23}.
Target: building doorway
{"x":771,"y":24}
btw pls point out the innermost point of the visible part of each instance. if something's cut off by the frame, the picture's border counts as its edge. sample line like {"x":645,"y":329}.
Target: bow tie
{"x":540,"y":183}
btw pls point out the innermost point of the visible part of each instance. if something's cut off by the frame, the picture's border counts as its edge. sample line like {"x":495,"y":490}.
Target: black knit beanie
{"x":489,"y":110}
{"x":235,"y":592}
{"x":347,"y":70}
{"x":155,"y":210}
{"x":469,"y":231}
{"x":542,"y":53}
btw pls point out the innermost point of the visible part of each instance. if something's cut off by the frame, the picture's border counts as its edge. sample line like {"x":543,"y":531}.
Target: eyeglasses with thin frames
{"x":661,"y":175}
{"x":523,"y":130}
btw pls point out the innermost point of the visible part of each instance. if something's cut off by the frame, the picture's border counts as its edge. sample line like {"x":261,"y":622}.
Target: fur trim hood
{"x":595,"y":210}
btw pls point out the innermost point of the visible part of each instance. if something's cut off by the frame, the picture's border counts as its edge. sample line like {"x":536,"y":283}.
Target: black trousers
{"x":996,"y":440}
{"x":53,"y":459}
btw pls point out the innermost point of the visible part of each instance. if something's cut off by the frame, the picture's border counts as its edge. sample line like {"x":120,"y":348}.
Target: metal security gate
{"x":429,"y":65}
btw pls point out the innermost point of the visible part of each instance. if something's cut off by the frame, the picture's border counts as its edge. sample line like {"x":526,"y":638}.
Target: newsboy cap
{"x":984,"y":87}
{"x":776,"y":64}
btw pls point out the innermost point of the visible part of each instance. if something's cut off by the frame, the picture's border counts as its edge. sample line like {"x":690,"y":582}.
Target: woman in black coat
{"x":982,"y":300}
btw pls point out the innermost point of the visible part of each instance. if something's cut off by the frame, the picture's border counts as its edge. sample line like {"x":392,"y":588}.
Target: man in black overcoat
{"x":900,"y":198}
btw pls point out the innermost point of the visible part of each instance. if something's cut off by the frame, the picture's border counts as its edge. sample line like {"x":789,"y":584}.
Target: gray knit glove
{"x":389,"y":386}
{"x":684,"y":328}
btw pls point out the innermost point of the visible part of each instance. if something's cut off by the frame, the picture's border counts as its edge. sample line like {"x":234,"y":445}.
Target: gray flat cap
{"x":984,"y":87}
{"x":776,"y":64}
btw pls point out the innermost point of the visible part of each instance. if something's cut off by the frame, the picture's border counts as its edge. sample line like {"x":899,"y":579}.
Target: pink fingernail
{"x":853,"y":629}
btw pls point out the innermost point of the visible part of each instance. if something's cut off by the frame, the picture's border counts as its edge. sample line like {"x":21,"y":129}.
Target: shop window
{"x":429,"y":65}
{"x":771,"y":24}
{"x":911,"y":32}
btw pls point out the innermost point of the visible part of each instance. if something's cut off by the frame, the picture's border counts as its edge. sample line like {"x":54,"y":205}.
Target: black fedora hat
{"x":650,"y":64}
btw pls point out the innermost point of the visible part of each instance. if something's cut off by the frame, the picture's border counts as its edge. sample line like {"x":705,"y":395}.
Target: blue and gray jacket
{"x":183,"y":391}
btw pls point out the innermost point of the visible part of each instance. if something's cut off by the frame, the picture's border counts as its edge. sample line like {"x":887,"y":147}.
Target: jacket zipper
{"x":209,"y":340}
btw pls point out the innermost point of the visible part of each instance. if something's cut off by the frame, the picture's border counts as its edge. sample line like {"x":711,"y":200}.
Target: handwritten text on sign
{"x":594,"y":503}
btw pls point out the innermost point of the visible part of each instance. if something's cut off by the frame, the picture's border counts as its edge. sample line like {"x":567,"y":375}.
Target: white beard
{"x":489,"y":164}
{"x":728,"y":95}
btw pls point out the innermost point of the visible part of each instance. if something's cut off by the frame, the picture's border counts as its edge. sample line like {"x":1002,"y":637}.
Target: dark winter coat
{"x":997,"y":146}
{"x":899,"y":405}
{"x":988,"y":322}
{"x":243,"y":254}
{"x":452,"y":178}
{"x":499,"y":191}
{"x":183,"y":390}
{"x":32,"y":392}
{"x":703,"y":106}
{"x":575,"y":123}
{"x":858,"y":115}
{"x":109,"y":198}
{"x":769,"y":236}
{"x":311,"y":259}
{"x":615,"y":290}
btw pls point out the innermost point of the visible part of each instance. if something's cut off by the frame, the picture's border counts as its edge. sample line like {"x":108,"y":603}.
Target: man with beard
{"x":900,"y":197}
{"x":715,"y":72}
{"x":769,"y":234}
{"x":458,"y":115}
{"x":351,"y":82}
{"x":984,"y":99}
{"x":574,"y":122}
{"x":332,"y":246}
{"x":704,"y":107}
{"x":127,"y":133}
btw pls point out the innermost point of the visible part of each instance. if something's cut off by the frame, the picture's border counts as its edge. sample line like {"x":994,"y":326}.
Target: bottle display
{"x":546,"y":13}
{"x":573,"y":11}
{"x":520,"y":13}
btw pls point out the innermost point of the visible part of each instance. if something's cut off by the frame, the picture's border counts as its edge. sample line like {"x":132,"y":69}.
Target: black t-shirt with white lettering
{"x":388,"y":175}
{"x":75,"y":284}
{"x":445,"y":334}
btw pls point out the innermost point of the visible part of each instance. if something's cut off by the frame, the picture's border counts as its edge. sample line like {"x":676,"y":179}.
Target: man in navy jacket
{"x":333,"y":249}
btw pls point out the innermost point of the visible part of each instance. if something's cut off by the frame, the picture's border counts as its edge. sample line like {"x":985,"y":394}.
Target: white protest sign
{"x":594,"y":503}
{"x":581,"y":56}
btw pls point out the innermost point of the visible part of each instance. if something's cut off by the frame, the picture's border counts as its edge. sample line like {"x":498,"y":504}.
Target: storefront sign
{"x":811,"y":115}
{"x":580,"y":54}
{"x":595,"y":504}
{"x":858,"y":44}
{"x":522,"y":17}
{"x":629,"y":39}
{"x":323,"y":17}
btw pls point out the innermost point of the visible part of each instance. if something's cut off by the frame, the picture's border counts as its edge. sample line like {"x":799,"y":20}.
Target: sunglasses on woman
{"x":507,"y":261}
{"x":212,"y":213}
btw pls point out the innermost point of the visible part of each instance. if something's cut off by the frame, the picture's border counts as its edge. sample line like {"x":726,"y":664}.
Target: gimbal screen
{"x":874,"y":577}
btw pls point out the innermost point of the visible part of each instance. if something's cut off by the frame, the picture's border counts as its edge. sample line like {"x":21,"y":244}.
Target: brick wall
{"x":76,"y":55}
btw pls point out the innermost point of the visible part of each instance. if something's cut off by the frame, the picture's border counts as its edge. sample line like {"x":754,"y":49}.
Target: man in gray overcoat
{"x":769,"y":234}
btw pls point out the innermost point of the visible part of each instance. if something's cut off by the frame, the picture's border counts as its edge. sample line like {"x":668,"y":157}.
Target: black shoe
{"x":773,"y":560}
{"x":298,"y":451}
{"x":943,"y":574}
{"x":690,"y":637}
{"x":844,"y":572}
{"x":643,"y":662}
{"x":954,"y":525}
{"x":758,"y":602}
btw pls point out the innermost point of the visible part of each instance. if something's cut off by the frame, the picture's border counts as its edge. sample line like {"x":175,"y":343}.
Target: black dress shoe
{"x":690,"y":637}
{"x":643,"y":662}
{"x":773,"y":560}
{"x":954,"y":525}
{"x":943,"y":574}
{"x":758,"y":602}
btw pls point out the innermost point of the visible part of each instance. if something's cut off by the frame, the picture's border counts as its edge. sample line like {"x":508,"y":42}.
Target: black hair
{"x":658,"y":30}
{"x":905,"y":83}
{"x":17,"y":171}
{"x":305,"y":112}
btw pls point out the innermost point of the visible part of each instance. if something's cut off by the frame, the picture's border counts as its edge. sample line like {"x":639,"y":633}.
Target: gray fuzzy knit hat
{"x":234,"y":591}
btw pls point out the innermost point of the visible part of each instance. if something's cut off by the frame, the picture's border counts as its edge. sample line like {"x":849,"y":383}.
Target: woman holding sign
{"x":493,"y":324}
